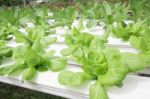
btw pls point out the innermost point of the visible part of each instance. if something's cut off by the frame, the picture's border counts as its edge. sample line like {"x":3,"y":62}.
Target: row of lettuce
{"x":104,"y":65}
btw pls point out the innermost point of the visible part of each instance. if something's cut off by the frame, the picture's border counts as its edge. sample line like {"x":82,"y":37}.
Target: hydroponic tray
{"x":135,"y":87}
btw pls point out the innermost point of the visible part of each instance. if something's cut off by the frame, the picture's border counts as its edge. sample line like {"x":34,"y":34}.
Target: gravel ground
{"x":14,"y":92}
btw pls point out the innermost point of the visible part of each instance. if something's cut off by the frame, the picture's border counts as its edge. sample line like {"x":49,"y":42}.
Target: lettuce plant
{"x":31,"y":57}
{"x":77,"y":41}
{"x":139,"y":9}
{"x":4,"y":50}
{"x":15,"y":16}
{"x":124,"y":30}
{"x":6,"y":31}
{"x":64,"y":17}
{"x":137,"y":33}
{"x":105,"y":12}
{"x":106,"y":66}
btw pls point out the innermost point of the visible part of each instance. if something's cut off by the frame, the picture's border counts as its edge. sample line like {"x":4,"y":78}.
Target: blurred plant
{"x":4,"y":50}
{"x":140,"y":9}
{"x":15,"y":15}
{"x":106,"y":12}
{"x":64,"y":17}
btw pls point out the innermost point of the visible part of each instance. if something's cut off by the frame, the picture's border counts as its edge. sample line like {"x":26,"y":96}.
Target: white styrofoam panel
{"x":134,"y":87}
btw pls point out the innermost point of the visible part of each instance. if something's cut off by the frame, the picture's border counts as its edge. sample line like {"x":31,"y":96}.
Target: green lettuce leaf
{"x":135,"y":62}
{"x":97,"y":91}
{"x":58,"y":64}
{"x":73,"y":78}
{"x":32,"y":58}
{"x":29,"y":73}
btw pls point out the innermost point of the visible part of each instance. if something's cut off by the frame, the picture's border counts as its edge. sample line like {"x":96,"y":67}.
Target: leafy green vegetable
{"x":7,"y":30}
{"x":11,"y":69}
{"x":142,"y":41}
{"x":95,"y":63}
{"x":116,"y":70}
{"x":97,"y":91}
{"x":71,"y":78}
{"x":18,"y":54}
{"x":33,"y":61}
{"x":14,"y":15}
{"x":32,"y":58}
{"x":58,"y":64}
{"x":124,"y":30}
{"x":64,"y":17}
{"x":36,"y":35}
{"x":135,"y":62}
{"x":105,"y":12}
{"x":108,"y":66}
{"x":78,"y":43}
{"x":39,"y":15}
{"x":2,"y":43}
{"x":4,"y":50}
{"x":32,"y":55}
{"x":139,"y":8}
{"x":69,"y":51}
{"x":29,"y":73}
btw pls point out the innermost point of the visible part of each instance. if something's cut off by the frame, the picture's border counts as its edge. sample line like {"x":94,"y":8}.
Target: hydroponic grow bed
{"x":88,"y":48}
